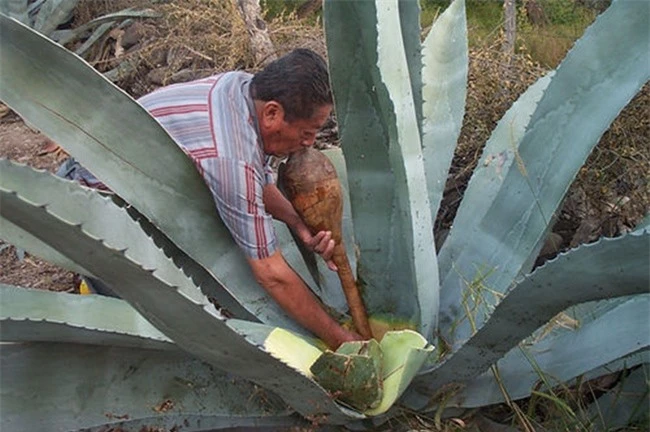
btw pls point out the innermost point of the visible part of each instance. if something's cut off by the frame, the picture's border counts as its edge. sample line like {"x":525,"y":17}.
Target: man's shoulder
{"x":234,"y":84}
{"x":180,"y":93}
{"x":235,"y":76}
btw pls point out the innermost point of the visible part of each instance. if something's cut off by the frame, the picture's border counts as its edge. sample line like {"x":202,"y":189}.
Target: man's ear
{"x":272,"y":115}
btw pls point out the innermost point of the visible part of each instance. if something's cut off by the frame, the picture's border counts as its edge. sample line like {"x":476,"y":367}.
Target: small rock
{"x":132,"y":35}
{"x":157,"y":76}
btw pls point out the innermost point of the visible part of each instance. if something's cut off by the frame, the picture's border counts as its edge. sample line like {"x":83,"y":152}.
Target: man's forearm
{"x":291,"y":293}
{"x":279,"y":207}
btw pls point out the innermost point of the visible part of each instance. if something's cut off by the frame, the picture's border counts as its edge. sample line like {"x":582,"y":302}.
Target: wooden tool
{"x":312,"y":186}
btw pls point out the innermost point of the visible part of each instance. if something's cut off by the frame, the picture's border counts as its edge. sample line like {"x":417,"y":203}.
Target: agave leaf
{"x":108,"y":18}
{"x":52,"y":14}
{"x":105,"y":220}
{"x":627,"y":362}
{"x":351,"y":33}
{"x":295,"y":351}
{"x":44,"y":88}
{"x":379,"y":130}
{"x":413,"y":262}
{"x":404,"y":354}
{"x":445,"y":87}
{"x":563,"y":357}
{"x":17,"y":9}
{"x":409,"y":18}
{"x":498,"y":156}
{"x":34,"y":6}
{"x":609,"y":63}
{"x":17,"y":236}
{"x":97,"y":34}
{"x":607,"y":269}
{"x":488,"y":178}
{"x":75,"y":387}
{"x":625,"y":404}
{"x":172,"y":304}
{"x":39,"y":315}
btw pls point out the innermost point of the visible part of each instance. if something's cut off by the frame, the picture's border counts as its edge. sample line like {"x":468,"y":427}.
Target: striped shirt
{"x":214,"y":121}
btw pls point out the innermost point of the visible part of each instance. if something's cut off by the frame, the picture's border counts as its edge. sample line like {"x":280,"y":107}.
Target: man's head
{"x":293,"y":100}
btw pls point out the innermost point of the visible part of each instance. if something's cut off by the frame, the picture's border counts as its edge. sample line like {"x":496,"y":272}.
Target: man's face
{"x":282,"y":138}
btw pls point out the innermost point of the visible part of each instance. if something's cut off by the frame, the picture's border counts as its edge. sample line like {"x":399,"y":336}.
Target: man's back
{"x":213,"y":121}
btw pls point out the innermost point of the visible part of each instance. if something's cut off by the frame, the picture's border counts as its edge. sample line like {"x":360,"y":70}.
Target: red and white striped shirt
{"x":213,"y":120}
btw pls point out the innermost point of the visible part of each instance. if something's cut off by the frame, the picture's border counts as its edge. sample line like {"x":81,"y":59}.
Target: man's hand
{"x":349,"y":336}
{"x":321,"y":243}
{"x":280,"y":208}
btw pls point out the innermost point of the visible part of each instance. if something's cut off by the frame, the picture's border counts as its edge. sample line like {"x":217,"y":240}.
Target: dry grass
{"x":192,"y":39}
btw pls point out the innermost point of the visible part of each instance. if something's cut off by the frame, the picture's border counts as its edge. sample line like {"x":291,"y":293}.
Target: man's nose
{"x":308,"y":142}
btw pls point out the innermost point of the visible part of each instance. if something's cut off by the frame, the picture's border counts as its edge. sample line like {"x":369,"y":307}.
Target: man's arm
{"x":291,"y":293}
{"x":277,"y":205}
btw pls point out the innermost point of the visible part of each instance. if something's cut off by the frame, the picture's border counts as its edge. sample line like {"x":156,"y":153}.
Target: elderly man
{"x":230,"y":125}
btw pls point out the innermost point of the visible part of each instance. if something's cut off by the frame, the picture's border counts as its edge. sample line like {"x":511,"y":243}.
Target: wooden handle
{"x":351,"y":291}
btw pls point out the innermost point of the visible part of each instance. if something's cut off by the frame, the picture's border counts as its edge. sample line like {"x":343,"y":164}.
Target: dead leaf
{"x":4,"y":110}
{"x":118,"y":35}
{"x":165,"y":406}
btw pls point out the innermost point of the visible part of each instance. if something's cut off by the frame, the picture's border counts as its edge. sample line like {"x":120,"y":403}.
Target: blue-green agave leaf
{"x":409,"y":19}
{"x":627,"y":362}
{"x":17,"y":9}
{"x":97,"y":34}
{"x":413,"y":261}
{"x":498,"y":156}
{"x":52,"y":14}
{"x":376,"y":163}
{"x":560,"y":358}
{"x":610,"y":268}
{"x":625,"y":404}
{"x":15,"y":235}
{"x":445,"y":86}
{"x":47,"y":387}
{"x":47,"y":316}
{"x":599,"y":76}
{"x":104,"y":219}
{"x":124,"y":14}
{"x":174,"y":305}
{"x":41,"y":81}
{"x":351,"y":33}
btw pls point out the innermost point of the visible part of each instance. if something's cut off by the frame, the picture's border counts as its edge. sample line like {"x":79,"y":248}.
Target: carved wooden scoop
{"x":312,"y":186}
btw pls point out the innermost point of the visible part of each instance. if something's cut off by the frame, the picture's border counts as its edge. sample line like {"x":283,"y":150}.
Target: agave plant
{"x":45,"y":16}
{"x":196,"y":344}
{"x":48,"y":16}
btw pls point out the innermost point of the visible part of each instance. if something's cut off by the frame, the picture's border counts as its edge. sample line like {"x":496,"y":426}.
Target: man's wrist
{"x":301,"y":230}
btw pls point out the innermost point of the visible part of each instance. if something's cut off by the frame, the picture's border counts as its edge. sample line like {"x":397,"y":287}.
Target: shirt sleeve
{"x":237,"y":190}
